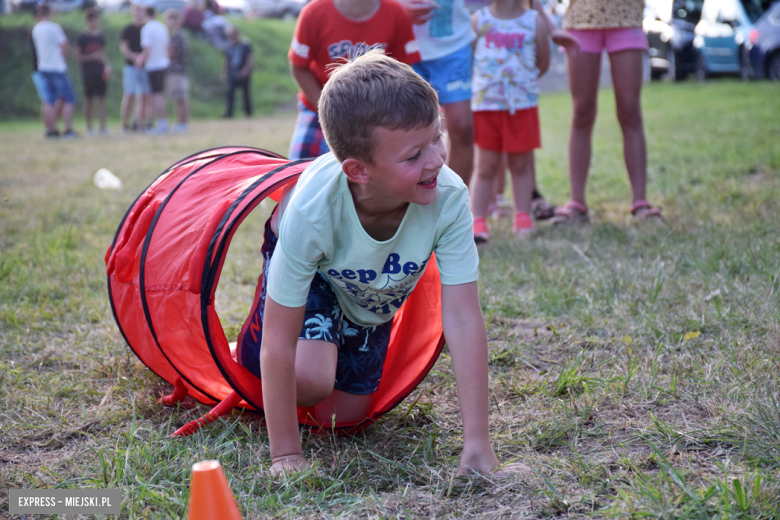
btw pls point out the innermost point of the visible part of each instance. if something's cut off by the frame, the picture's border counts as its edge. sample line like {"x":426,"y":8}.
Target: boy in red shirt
{"x":328,"y":30}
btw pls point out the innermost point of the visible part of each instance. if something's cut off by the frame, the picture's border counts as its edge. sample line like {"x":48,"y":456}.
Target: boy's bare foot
{"x":512,"y":469}
{"x":289,"y":464}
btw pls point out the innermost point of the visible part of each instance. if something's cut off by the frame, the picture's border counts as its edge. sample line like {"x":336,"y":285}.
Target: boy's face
{"x":93,"y":24}
{"x":407,"y":163}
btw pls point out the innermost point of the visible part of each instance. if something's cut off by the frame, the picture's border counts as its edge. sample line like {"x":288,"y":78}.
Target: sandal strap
{"x":643,"y":204}
{"x":567,"y":210}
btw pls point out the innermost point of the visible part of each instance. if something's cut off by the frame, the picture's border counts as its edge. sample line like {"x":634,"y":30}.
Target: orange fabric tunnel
{"x":163,"y":268}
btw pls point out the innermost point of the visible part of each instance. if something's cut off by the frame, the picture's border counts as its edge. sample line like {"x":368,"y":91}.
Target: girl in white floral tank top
{"x":505,"y":73}
{"x":511,"y":52}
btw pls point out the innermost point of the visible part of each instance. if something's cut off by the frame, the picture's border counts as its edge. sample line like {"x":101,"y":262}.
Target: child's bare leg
{"x":584,"y":70}
{"x":460,"y":130}
{"x":346,"y":407}
{"x":627,"y":80}
{"x":315,"y":370}
{"x":489,"y":164}
{"x":521,"y":167}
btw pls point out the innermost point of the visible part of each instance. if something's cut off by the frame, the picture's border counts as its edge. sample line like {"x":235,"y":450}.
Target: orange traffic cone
{"x":210,"y":495}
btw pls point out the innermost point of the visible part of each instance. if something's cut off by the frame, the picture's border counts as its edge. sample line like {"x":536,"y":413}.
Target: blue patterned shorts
{"x":361,"y":350}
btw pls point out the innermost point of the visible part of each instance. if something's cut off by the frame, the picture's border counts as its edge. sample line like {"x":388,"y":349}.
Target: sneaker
{"x":104,"y":131}
{"x":90,"y":132}
{"x":481,"y":233}
{"x":179,"y":127}
{"x":51,"y":134}
{"x":523,"y":224}
{"x":69,"y":134}
{"x":157,"y":130}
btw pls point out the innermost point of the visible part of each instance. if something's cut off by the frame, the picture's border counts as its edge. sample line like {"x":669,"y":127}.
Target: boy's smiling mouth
{"x":430,"y":183}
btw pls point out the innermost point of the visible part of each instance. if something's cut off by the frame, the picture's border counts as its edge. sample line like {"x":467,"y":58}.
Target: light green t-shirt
{"x":320,"y":230}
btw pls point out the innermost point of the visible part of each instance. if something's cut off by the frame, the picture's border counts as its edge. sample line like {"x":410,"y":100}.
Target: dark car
{"x":669,"y":25}
{"x":764,"y":45}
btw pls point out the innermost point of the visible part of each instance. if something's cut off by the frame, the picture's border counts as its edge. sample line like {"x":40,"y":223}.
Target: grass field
{"x":636,"y":368}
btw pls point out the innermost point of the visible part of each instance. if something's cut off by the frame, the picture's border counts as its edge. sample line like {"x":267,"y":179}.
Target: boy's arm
{"x":542,"y":46}
{"x":559,"y":36}
{"x":277,"y":366}
{"x":307,"y":82}
{"x":464,"y":328}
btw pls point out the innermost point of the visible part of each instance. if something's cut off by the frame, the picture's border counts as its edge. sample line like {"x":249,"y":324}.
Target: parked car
{"x":764,"y":45}
{"x":285,"y":9}
{"x":722,"y":36}
{"x":669,"y":25}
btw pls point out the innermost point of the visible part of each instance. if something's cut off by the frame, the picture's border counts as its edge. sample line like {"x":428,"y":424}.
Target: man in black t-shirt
{"x":95,"y":69}
{"x":238,"y":70}
{"x":135,"y":80}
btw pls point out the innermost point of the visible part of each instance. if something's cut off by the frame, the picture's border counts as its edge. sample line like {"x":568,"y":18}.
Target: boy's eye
{"x":415,"y":156}
{"x":438,"y":137}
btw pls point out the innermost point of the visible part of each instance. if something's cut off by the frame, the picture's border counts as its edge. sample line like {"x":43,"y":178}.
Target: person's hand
{"x":567,"y":41}
{"x":106,"y":72}
{"x":420,"y":11}
{"x":139,"y":61}
{"x":480,"y":459}
{"x":288,"y":464}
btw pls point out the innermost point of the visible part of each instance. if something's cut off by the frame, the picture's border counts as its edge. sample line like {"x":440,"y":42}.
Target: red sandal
{"x":571,"y":212}
{"x":643,"y":210}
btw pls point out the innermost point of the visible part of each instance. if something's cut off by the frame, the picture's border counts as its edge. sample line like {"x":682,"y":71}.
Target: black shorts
{"x":94,"y":85}
{"x":157,"y":80}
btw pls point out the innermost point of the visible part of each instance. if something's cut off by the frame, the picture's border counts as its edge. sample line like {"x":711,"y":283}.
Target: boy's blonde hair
{"x":368,"y":91}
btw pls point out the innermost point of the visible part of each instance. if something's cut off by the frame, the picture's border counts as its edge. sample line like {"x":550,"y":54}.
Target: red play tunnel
{"x":164,"y":265}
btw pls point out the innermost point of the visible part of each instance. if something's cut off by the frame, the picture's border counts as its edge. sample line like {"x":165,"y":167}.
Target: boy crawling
{"x":354,"y":237}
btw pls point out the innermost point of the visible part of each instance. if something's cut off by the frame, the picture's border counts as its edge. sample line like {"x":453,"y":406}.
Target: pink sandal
{"x":643,"y":210}
{"x":571,"y":212}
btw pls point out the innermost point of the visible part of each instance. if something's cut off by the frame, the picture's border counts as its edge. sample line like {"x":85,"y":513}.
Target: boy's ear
{"x":355,"y":170}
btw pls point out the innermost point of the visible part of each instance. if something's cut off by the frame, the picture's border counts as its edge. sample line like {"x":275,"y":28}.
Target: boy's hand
{"x":482,"y":460}
{"x":288,"y":464}
{"x":567,"y":41}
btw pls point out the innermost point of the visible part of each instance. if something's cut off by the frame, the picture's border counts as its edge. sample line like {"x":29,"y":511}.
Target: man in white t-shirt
{"x":51,"y":45}
{"x":154,"y":58}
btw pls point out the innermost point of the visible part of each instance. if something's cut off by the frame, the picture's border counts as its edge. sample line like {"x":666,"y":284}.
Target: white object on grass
{"x":106,"y":180}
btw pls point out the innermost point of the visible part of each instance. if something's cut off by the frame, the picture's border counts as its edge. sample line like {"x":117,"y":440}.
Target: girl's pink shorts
{"x":613,"y":40}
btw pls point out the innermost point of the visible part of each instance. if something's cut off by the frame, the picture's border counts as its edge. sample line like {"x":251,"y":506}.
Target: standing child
{"x":95,"y":69}
{"x":511,"y":52}
{"x":328,"y":31}
{"x":354,"y":238}
{"x":178,"y":82}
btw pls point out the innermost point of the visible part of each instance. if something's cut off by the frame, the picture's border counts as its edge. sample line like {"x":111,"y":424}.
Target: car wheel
{"x":745,"y":71}
{"x":671,"y":72}
{"x":773,"y":66}
{"x":701,"y":68}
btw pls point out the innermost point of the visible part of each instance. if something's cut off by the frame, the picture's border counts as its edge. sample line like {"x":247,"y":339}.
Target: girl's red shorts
{"x":499,"y":131}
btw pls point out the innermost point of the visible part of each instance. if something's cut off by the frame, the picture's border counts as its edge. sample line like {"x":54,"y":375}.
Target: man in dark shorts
{"x":238,"y":69}
{"x":135,"y":81}
{"x":155,"y":40}
{"x":94,"y":69}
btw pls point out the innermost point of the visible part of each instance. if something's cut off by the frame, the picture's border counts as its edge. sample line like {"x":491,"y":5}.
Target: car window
{"x":754,"y":8}
{"x":687,"y":10}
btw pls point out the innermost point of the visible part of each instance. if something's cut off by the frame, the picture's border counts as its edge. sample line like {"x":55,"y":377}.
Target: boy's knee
{"x":312,"y":389}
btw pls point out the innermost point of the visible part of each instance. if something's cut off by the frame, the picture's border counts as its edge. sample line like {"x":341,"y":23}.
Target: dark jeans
{"x":243,"y":84}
